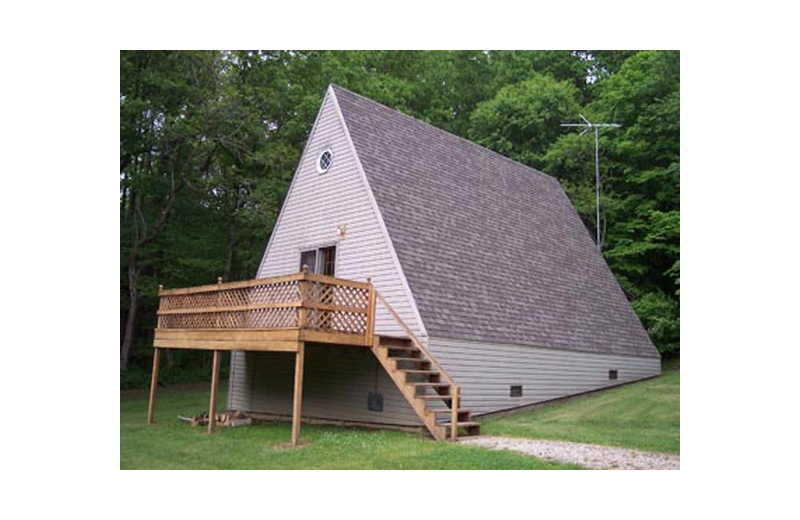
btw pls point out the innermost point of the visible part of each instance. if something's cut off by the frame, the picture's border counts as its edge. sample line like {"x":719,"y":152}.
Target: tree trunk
{"x":133,"y":293}
{"x":226,"y":273}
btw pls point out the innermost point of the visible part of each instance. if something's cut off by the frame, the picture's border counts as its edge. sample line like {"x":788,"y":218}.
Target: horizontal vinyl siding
{"x":240,"y":382}
{"x":317,"y":204}
{"x":336,"y":382}
{"x":486,"y":371}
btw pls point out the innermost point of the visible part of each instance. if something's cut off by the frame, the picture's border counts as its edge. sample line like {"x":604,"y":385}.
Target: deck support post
{"x":454,"y":413}
{"x":212,"y":406}
{"x":297,"y":408}
{"x":153,"y":384}
{"x":369,"y":336}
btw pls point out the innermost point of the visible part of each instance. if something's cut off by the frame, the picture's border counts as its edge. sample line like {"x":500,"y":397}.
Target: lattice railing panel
{"x":337,"y":321}
{"x":280,"y":292}
{"x":347,"y":305}
{"x":341,"y":295}
{"x":272,"y":318}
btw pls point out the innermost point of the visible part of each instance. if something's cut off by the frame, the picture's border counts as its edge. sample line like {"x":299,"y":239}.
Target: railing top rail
{"x":262,"y":281}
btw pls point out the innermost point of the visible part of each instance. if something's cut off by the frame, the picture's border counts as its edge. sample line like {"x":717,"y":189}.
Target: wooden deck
{"x":288,"y":313}
{"x":267,"y":314}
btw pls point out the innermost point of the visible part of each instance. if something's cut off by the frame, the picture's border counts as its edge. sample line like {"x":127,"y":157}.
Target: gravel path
{"x":587,"y":455}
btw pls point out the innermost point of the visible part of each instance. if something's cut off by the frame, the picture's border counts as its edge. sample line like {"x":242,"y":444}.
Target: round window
{"x":324,"y":162}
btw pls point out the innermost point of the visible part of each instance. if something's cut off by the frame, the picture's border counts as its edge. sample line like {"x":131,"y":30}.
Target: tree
{"x":166,"y":114}
{"x":640,"y":170}
{"x":523,"y":119}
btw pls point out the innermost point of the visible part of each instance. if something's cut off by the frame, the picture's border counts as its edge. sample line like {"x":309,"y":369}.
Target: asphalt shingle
{"x":493,"y":250}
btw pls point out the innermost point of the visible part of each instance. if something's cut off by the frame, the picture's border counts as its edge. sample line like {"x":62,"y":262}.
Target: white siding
{"x":317,"y":204}
{"x":336,"y":383}
{"x":486,"y":371}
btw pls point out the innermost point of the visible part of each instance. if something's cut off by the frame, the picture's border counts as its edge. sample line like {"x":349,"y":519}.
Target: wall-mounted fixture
{"x":340,"y":231}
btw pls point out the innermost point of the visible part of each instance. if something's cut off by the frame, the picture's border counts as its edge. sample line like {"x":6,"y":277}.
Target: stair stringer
{"x":427,"y":417}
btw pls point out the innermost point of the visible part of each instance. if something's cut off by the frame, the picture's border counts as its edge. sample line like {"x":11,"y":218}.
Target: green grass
{"x":644,"y":415}
{"x":171,"y":444}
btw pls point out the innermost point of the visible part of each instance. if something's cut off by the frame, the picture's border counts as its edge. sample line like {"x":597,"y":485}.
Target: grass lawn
{"x":171,"y":444}
{"x":643,"y":415}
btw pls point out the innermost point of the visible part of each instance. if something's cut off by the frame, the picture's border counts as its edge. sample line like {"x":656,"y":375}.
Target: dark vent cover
{"x":375,"y":402}
{"x":516,"y":391}
{"x":612,"y":374}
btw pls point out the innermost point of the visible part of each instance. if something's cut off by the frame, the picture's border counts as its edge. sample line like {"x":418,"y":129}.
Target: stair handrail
{"x":455,"y":396}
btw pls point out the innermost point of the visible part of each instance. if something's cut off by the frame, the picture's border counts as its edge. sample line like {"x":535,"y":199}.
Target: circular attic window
{"x":324,"y":162}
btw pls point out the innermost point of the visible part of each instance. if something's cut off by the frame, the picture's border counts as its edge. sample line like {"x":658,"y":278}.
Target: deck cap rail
{"x":215,"y":287}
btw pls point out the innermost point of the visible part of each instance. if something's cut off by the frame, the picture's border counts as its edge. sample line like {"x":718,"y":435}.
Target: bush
{"x":661,"y":317}
{"x":189,"y":371}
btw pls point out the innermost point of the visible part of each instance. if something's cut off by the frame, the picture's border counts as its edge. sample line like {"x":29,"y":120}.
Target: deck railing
{"x":303,"y":300}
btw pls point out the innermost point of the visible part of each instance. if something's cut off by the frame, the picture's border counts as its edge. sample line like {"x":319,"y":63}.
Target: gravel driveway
{"x":587,"y":455}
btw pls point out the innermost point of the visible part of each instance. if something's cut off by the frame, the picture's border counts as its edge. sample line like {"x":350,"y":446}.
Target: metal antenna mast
{"x":587,"y":126}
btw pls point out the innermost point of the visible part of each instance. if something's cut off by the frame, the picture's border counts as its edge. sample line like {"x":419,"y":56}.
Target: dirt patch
{"x":587,"y":455}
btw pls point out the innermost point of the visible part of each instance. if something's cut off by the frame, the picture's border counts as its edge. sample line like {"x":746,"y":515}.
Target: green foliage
{"x":209,"y":142}
{"x":661,"y":317}
{"x":523,"y":119}
{"x":139,"y":377}
{"x":640,"y":171}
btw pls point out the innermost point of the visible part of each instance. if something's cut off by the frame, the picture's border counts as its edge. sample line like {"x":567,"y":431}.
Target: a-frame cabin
{"x":444,"y":281}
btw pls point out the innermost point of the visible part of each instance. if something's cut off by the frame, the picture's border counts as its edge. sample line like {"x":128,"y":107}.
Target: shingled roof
{"x":492,"y":249}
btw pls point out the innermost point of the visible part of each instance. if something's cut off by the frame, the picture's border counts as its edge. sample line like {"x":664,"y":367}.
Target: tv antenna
{"x":587,"y":126}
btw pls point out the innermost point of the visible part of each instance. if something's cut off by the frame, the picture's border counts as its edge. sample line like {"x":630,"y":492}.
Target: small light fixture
{"x":340,"y":231}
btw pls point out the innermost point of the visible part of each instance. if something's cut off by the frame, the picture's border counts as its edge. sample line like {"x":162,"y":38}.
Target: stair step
{"x":427,"y":384}
{"x":460,"y":424}
{"x":407,"y":348}
{"x":437,"y":396}
{"x":390,"y":342}
{"x":448,"y":410}
{"x":413,"y":371}
{"x":418,"y":360}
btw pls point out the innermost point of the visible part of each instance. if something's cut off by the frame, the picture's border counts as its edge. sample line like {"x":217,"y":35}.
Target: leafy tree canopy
{"x":209,"y":142}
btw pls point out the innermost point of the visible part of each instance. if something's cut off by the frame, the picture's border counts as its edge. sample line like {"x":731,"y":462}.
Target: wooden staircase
{"x":425,"y":387}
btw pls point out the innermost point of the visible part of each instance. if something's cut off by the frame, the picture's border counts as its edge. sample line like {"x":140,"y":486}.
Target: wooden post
{"x":153,"y":385}
{"x":302,"y":312}
{"x":454,"y":413}
{"x":370,"y":335}
{"x":218,"y":300}
{"x":212,"y":406}
{"x":297,"y":408}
